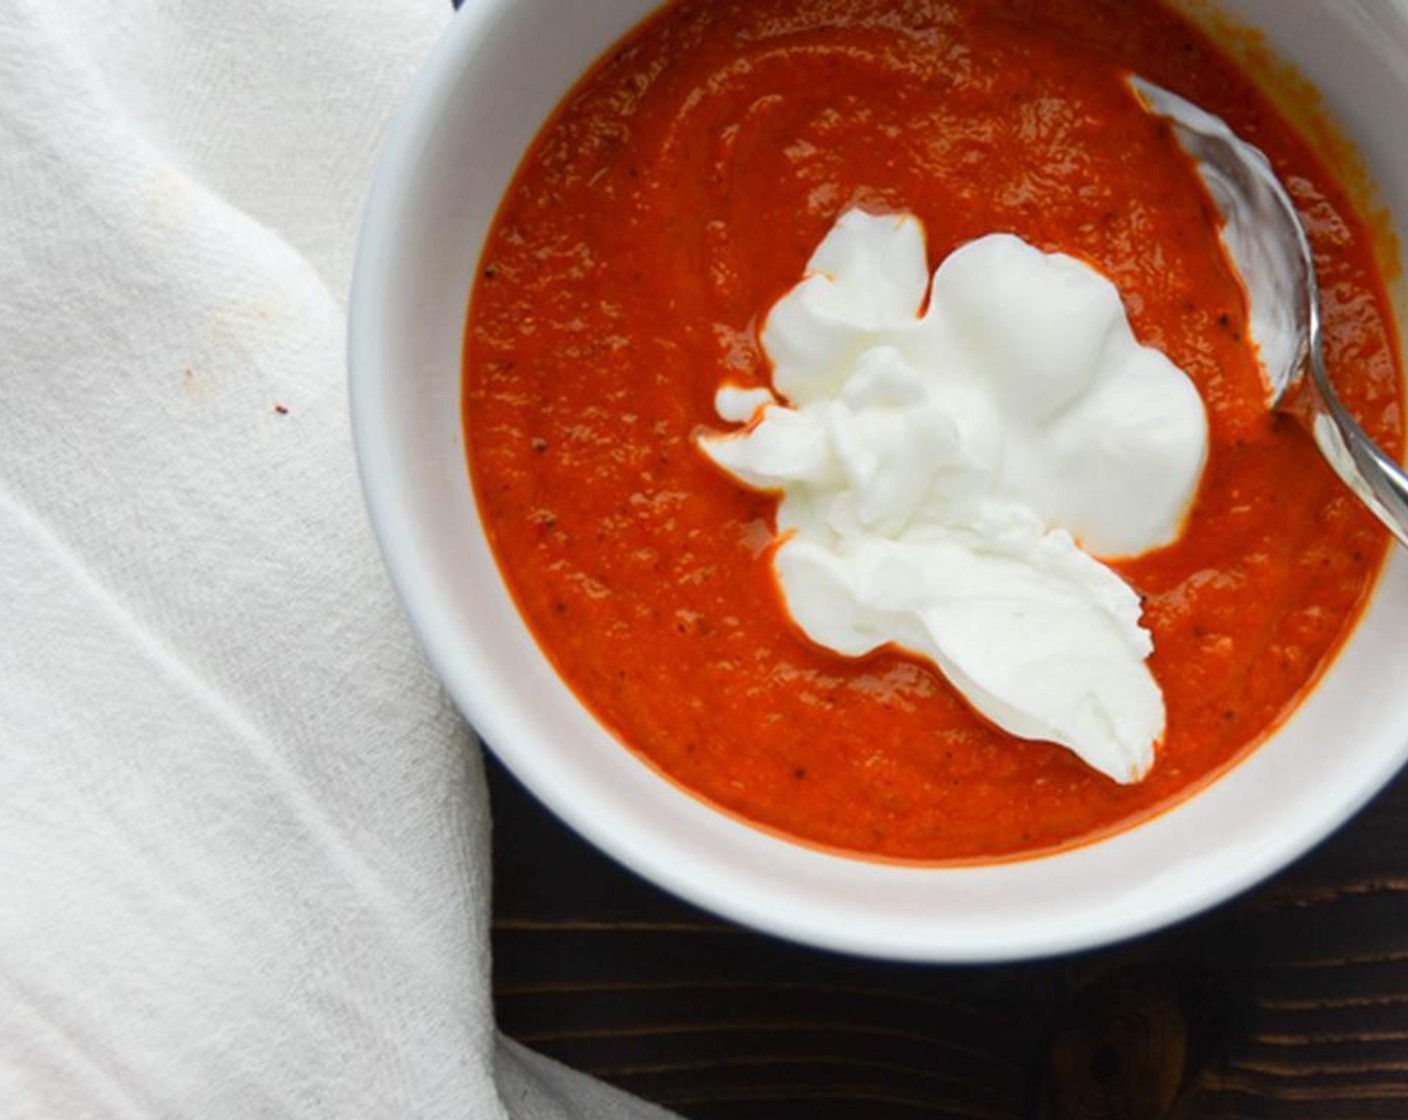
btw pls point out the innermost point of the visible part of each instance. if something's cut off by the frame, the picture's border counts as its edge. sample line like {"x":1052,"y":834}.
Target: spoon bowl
{"x":1268,"y":245}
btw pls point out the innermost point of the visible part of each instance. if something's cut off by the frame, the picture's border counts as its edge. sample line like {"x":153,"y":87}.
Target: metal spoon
{"x":1268,"y":245}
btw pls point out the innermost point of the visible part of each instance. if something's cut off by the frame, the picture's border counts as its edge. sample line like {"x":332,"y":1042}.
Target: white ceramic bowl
{"x":497,"y":74}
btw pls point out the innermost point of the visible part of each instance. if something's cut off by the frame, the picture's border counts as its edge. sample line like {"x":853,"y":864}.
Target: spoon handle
{"x":1364,"y":466}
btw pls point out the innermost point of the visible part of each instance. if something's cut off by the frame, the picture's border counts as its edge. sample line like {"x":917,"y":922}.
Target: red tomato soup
{"x":679,"y":192}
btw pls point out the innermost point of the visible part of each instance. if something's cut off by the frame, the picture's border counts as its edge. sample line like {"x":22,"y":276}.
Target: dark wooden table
{"x":1290,"y":1002}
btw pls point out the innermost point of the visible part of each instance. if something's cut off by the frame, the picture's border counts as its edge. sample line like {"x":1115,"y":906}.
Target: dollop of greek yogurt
{"x":950,"y":472}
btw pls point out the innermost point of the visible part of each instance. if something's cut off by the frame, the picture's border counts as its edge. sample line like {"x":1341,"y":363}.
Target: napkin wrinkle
{"x":292,"y":789}
{"x":291,"y":792}
{"x":269,"y":130}
{"x":121,"y":1091}
{"x":110,"y":940}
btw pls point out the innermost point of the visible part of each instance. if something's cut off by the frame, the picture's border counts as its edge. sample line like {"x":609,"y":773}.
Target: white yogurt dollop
{"x":947,"y":478}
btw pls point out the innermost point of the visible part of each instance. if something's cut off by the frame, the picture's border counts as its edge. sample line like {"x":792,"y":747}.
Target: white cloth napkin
{"x":243,"y":838}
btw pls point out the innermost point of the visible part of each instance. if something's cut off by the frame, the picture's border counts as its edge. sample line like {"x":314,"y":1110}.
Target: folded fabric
{"x":243,"y":837}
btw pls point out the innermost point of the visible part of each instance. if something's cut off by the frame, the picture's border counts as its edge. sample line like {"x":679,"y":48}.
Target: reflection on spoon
{"x":1268,"y":246}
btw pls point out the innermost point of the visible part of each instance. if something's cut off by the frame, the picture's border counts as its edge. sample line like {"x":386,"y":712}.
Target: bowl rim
{"x":636,"y":846}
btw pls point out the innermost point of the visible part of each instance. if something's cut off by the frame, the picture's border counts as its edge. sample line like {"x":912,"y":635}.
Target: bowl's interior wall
{"x":503,"y":68}
{"x":1339,"y":65}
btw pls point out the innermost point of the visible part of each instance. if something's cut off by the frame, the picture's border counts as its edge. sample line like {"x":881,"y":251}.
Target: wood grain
{"x":1291,"y":1002}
